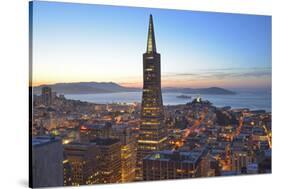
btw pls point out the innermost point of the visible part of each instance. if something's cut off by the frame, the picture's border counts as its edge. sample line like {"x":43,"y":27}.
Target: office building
{"x":152,"y":133}
{"x":83,"y":159}
{"x":170,"y":164}
{"x":110,"y":159}
{"x":128,"y":151}
{"x":47,"y":162}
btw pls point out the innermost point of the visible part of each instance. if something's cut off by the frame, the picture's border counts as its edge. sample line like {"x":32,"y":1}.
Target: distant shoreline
{"x":111,"y":87}
{"x":242,"y":100}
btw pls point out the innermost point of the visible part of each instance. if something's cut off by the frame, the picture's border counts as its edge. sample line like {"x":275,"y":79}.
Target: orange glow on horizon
{"x":177,"y":83}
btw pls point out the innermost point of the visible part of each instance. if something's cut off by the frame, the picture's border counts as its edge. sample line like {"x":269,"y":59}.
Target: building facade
{"x":47,"y":162}
{"x":128,"y":151}
{"x":110,"y":159}
{"x":83,"y":160}
{"x":152,"y":133}
{"x":240,"y":159}
{"x":170,"y":164}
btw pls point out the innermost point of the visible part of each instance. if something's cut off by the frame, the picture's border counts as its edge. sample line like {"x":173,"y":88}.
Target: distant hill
{"x":110,"y":87}
{"x":86,"y":88}
{"x":210,"y":90}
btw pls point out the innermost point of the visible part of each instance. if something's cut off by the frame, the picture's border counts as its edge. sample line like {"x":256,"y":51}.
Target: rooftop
{"x":105,"y":141}
{"x":43,"y":140}
{"x":183,"y":156}
{"x":79,"y":146}
{"x":94,"y":126}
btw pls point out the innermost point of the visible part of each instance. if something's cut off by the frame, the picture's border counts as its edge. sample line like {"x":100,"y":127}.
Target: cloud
{"x":166,"y":75}
{"x":221,"y":74}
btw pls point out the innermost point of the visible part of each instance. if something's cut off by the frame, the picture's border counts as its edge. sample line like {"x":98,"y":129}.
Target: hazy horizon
{"x":83,"y":43}
{"x":267,"y":89}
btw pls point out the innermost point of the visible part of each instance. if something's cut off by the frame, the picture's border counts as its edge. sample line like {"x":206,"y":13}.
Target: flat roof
{"x":169,"y":155}
{"x":95,"y":126}
{"x":105,"y":141}
{"x":43,"y":140}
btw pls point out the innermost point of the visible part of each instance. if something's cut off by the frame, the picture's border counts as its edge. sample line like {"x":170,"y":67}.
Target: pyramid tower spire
{"x":153,"y":132}
{"x":151,"y":45}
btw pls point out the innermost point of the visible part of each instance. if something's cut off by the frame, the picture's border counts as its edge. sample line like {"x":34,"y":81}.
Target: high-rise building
{"x":110,"y":159}
{"x":152,"y":133}
{"x":47,"y":162}
{"x":83,"y":161}
{"x":46,"y":95}
{"x":128,"y":151}
{"x":170,"y":164}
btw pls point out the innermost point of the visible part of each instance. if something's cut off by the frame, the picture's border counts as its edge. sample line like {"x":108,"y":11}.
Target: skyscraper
{"x":152,"y":134}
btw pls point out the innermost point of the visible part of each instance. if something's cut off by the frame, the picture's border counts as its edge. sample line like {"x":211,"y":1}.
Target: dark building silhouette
{"x":47,"y":96}
{"x":47,"y":162}
{"x":152,"y":135}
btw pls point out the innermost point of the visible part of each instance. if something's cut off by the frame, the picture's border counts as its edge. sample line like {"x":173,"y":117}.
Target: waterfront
{"x":252,"y":100}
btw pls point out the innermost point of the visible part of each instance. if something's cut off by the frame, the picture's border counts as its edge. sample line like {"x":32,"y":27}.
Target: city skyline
{"x":208,"y":49}
{"x":146,"y":137}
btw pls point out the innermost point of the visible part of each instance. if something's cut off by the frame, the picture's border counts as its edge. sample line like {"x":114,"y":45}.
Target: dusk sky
{"x":82,"y":42}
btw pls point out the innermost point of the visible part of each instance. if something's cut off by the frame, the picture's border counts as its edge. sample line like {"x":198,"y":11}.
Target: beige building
{"x":110,"y":159}
{"x":83,"y":159}
{"x":128,"y":151}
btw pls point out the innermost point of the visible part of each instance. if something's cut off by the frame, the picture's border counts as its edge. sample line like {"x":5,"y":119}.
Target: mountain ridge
{"x":111,"y":87}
